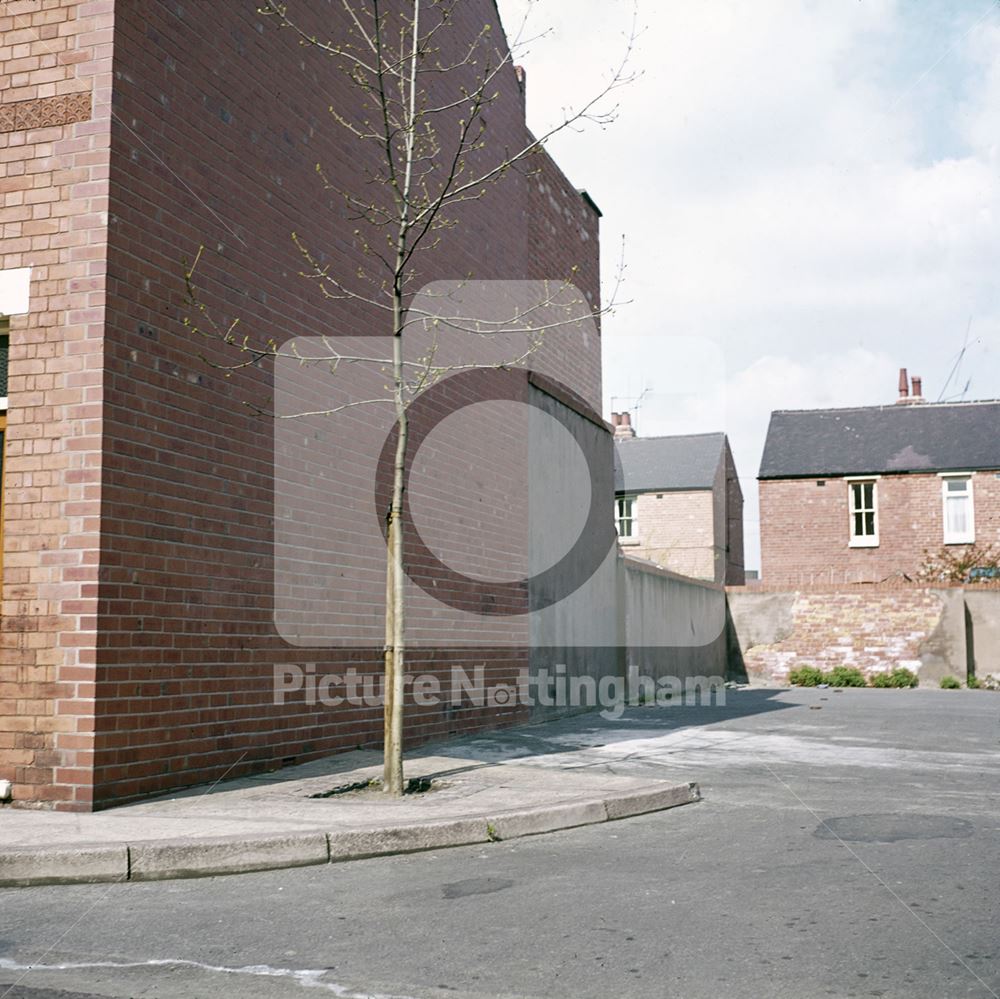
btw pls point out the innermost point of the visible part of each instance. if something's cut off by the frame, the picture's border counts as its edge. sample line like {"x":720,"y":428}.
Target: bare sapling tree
{"x":420,"y":111}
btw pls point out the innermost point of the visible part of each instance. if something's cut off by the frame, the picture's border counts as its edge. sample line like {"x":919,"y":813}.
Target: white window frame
{"x":15,"y":296}
{"x":15,"y":291}
{"x":969,"y":537}
{"x":862,"y":540}
{"x":633,"y":536}
{"x":5,"y":331}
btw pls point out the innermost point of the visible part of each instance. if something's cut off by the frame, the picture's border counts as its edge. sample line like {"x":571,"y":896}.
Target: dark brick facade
{"x":145,"y":647}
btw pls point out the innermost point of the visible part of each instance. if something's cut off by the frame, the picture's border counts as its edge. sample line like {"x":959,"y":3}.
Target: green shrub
{"x":805,"y":676}
{"x":845,"y":676}
{"x":950,"y":683}
{"x":959,"y":565}
{"x":972,"y":683}
{"x":899,"y":677}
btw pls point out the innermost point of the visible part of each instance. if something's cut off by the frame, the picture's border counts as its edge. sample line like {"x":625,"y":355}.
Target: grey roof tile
{"x":646,"y":464}
{"x":935,"y":437}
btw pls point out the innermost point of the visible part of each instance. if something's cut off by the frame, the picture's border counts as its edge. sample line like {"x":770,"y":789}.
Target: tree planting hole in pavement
{"x":415,"y":785}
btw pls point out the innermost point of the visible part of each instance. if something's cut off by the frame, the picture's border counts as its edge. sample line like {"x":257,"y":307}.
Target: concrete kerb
{"x":406,"y":839}
{"x":511,"y":825}
{"x":194,"y":858}
{"x":23,"y":866}
{"x":155,"y":860}
{"x":639,"y":802}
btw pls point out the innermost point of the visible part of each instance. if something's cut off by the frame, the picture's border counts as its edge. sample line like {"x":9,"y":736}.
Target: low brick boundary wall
{"x":933,"y":630}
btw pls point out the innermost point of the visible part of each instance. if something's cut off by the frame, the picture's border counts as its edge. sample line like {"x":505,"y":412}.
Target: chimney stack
{"x":623,"y":426}
{"x":906,"y":397}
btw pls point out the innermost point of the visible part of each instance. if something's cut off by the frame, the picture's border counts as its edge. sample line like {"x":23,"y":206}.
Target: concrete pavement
{"x":846,"y":847}
{"x":289,"y":819}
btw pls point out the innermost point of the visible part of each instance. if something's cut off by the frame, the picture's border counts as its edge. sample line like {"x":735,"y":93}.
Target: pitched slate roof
{"x":927,"y":437}
{"x":646,"y":464}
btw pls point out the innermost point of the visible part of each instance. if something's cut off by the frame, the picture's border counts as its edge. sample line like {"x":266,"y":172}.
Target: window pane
{"x":856,"y":495}
{"x":957,"y":485}
{"x":870,"y":525}
{"x":624,"y":517}
{"x":957,"y":513}
{"x":869,"y":494}
{"x":859,"y":527}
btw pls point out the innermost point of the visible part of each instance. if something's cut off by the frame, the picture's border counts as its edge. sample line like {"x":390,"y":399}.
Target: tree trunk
{"x":395,"y":617}
{"x":395,"y":609}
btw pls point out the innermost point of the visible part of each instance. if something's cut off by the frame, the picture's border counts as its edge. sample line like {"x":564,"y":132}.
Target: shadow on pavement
{"x":591,"y":730}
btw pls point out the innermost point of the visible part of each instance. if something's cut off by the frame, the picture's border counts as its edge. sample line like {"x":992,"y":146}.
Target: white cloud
{"x":981,"y":115}
{"x":812,"y":189}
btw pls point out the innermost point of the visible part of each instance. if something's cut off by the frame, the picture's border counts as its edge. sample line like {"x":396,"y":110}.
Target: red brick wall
{"x":562,"y":244}
{"x":55,"y":79}
{"x":870,"y":631}
{"x":804,"y":527}
{"x":221,"y":121}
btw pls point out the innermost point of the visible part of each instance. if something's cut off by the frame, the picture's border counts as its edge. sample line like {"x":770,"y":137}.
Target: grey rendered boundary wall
{"x":674,"y":625}
{"x":982,"y":631}
{"x":629,"y":615}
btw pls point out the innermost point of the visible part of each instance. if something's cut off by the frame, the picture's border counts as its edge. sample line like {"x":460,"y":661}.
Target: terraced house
{"x":679,"y":502}
{"x":869,"y":493}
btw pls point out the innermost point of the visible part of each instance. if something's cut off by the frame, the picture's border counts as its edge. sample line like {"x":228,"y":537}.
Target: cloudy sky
{"x":809,"y":193}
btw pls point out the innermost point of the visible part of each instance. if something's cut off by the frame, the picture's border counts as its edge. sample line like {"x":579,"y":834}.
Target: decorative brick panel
{"x":45,"y":112}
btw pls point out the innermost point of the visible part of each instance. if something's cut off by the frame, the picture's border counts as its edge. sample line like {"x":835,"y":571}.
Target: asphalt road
{"x":848,"y":845}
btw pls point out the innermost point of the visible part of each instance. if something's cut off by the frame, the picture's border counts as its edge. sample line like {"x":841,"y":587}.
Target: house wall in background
{"x":677,"y":530}
{"x":804,"y":527}
{"x":732,"y":519}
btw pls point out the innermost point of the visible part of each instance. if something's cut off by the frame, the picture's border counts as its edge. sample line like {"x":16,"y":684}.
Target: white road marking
{"x":310,"y":979}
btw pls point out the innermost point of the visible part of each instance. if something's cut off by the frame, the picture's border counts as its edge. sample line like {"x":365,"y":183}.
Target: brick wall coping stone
{"x":643,"y":565}
{"x":884,"y":586}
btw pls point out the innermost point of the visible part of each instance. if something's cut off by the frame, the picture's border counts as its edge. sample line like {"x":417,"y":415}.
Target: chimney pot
{"x":904,"y":384}
{"x":616,"y":419}
{"x":918,"y":384}
{"x":623,"y":428}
